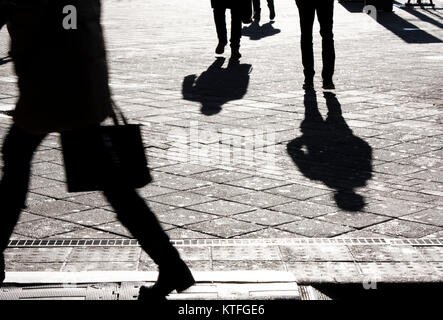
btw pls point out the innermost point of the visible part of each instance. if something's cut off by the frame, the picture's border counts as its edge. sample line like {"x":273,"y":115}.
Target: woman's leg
{"x":18,"y":149}
{"x":137,"y":217}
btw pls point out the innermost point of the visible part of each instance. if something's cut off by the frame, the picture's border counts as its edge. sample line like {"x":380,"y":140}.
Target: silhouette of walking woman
{"x":328,"y":151}
{"x":325,"y":13}
{"x":63,"y":83}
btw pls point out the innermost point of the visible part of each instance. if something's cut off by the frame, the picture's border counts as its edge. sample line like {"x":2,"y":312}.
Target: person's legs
{"x":137,"y":217}
{"x":325,"y":14}
{"x":257,"y":9}
{"x":220,"y":25}
{"x":18,"y":149}
{"x":271,"y":9}
{"x":236,"y":29}
{"x":307,"y":14}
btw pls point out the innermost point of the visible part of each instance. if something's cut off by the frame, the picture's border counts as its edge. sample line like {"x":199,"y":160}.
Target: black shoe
{"x":328,"y":85}
{"x":271,"y":14}
{"x":235,"y":54}
{"x":220,"y":48}
{"x":176,"y":276}
{"x":308,"y":85}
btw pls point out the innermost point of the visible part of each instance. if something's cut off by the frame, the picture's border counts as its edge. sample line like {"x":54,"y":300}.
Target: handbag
{"x":100,"y":157}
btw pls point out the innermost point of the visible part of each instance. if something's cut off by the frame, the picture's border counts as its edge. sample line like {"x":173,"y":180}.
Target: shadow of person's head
{"x":217,"y":85}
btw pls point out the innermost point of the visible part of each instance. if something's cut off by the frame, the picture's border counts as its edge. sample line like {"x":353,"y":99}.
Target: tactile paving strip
{"x":225,"y":242}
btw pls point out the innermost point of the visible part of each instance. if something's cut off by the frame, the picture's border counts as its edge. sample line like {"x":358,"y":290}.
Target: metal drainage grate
{"x":224,"y":242}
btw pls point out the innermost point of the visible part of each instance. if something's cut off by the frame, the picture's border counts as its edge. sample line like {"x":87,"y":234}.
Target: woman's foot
{"x":171,"y":277}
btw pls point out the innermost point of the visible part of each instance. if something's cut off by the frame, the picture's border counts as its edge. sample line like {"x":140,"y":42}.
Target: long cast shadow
{"x":329,"y":152}
{"x":255,"y":31}
{"x":402,"y":28}
{"x":217,"y":85}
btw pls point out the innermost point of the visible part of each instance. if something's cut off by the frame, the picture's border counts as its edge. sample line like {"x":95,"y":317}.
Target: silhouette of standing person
{"x":220,"y":7}
{"x":63,"y":83}
{"x":257,"y":9}
{"x":325,"y":12}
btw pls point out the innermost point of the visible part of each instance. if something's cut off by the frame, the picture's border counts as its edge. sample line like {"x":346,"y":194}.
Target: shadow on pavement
{"x":402,"y":28}
{"x":255,"y":31}
{"x":217,"y":85}
{"x":382,"y":291}
{"x":329,"y":152}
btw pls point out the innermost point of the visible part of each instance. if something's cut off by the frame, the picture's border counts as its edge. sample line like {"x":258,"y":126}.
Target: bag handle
{"x":120,"y":113}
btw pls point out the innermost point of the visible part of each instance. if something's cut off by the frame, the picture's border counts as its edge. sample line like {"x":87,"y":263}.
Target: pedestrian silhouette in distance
{"x":325,"y":12}
{"x":63,"y":85}
{"x":255,"y":31}
{"x":257,"y":9}
{"x":219,"y":7}
{"x":329,"y":152}
{"x":217,"y":85}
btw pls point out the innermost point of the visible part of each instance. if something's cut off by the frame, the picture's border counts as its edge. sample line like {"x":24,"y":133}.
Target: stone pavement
{"x":231,"y":155}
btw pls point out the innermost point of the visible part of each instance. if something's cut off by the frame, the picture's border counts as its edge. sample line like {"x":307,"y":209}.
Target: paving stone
{"x":180,"y":183}
{"x":260,"y":199}
{"x":239,"y":253}
{"x":257,"y":183}
{"x":355,"y":219}
{"x":182,"y":217}
{"x":99,"y":266}
{"x":432,"y":216}
{"x":91,"y":217}
{"x":222,"y":208}
{"x":44,"y":228}
{"x":224,"y":227}
{"x":104,"y":254}
{"x":394,"y":208}
{"x":305,"y":209}
{"x":330,"y":272}
{"x":95,"y":199}
{"x":315,"y":228}
{"x":405,"y":229}
{"x":299,"y":192}
{"x":314,"y":252}
{"x":377,"y":253}
{"x":251,"y":265}
{"x":363,"y":234}
{"x":221,"y":191}
{"x":53,"y":208}
{"x":26,"y":217}
{"x":266,"y":217}
{"x":37,"y":255}
{"x":181,"y":233}
{"x":182,"y":199}
{"x":20,"y":266}
{"x":220,"y":176}
{"x":185,"y":169}
{"x":152,"y":191}
{"x":89,"y":233}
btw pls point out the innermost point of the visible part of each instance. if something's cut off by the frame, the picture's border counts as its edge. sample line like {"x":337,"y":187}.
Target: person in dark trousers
{"x":325,"y":11}
{"x":220,"y":7}
{"x":257,"y":9}
{"x":63,"y":84}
